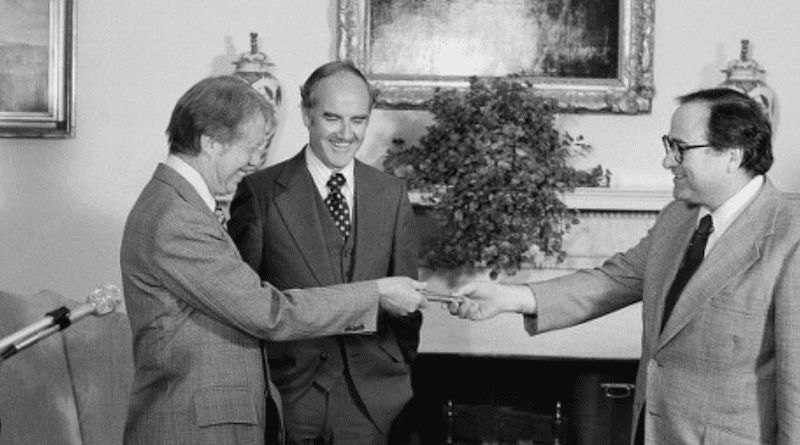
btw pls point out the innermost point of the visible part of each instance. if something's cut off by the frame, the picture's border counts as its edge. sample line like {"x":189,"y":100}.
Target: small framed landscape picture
{"x":37,"y":68}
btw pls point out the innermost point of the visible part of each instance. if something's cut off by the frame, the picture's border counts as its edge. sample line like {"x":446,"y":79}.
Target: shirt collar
{"x":320,"y":173}
{"x":193,"y":177}
{"x":727,"y":213}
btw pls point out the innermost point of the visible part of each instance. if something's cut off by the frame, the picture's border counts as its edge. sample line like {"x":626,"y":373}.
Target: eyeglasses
{"x":677,"y":149}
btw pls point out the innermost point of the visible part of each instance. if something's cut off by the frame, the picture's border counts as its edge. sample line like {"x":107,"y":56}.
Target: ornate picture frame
{"x":37,"y":59}
{"x":405,"y":83}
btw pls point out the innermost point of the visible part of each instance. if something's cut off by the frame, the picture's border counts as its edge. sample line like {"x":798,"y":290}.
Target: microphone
{"x":102,"y":301}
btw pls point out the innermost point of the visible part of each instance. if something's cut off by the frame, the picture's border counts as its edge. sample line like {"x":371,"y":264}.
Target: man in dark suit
{"x":199,"y":314}
{"x":332,"y":219}
{"x":719,"y":278}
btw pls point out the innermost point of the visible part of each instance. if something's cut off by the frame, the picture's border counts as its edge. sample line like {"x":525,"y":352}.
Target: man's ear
{"x":208,"y":144}
{"x":306,"y":112}
{"x":736,"y":158}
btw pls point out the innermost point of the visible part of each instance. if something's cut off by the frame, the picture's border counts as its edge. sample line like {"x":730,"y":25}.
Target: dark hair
{"x":327,"y":70}
{"x":737,"y":121}
{"x":215,"y":107}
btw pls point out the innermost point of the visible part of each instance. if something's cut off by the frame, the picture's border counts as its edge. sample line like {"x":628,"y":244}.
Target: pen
{"x":438,"y":297}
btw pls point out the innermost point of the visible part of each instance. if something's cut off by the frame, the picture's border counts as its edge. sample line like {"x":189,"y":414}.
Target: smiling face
{"x":225,"y":164}
{"x":338,"y":120}
{"x":706,"y":176}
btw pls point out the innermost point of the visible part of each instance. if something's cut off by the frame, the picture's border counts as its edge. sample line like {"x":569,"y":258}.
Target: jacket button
{"x":355,"y":327}
{"x":323,"y":356}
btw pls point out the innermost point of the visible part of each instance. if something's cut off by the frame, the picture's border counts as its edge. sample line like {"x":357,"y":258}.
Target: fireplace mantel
{"x":610,"y":221}
{"x":611,"y":199}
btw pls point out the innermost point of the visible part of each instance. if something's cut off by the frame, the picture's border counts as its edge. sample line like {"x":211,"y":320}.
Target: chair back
{"x":71,"y":388}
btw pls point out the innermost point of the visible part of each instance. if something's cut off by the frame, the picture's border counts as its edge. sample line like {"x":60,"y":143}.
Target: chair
{"x":70,"y":388}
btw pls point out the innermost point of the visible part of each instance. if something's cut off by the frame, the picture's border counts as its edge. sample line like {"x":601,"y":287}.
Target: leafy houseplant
{"x":494,"y":168}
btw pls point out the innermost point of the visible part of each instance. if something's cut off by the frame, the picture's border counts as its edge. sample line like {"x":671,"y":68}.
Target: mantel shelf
{"x":608,"y":199}
{"x":599,"y":198}
{"x":611,"y":199}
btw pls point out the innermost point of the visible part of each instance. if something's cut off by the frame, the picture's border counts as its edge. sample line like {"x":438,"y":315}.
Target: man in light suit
{"x":342,"y":389}
{"x":723,"y":365}
{"x":199,"y":314}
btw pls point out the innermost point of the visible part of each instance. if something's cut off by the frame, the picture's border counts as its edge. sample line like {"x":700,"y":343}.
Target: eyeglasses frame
{"x":679,"y":150}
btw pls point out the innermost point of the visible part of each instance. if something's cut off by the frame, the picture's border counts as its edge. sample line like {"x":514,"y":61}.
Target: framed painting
{"x":590,"y":55}
{"x":37,"y":58}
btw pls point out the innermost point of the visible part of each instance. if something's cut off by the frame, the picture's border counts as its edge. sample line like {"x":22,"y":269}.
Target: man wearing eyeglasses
{"x":719,"y":278}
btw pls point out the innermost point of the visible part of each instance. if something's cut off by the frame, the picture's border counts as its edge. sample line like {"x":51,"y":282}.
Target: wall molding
{"x":596,"y":199}
{"x":601,"y":199}
{"x":609,"y":199}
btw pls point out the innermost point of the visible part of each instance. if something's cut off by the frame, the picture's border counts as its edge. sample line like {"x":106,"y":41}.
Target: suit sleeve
{"x":589,"y":294}
{"x":200,"y":266}
{"x":246,"y":225}
{"x":405,"y":254}
{"x":787,"y":349}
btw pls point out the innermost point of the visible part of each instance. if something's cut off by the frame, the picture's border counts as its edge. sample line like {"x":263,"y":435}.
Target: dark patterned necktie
{"x":337,"y":205}
{"x":691,"y":261}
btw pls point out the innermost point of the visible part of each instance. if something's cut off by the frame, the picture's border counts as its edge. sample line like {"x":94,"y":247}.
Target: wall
{"x":63,"y":202}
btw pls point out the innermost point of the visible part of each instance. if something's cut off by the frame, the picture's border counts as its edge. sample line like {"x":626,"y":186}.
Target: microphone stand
{"x":102,"y":301}
{"x":59,"y":319}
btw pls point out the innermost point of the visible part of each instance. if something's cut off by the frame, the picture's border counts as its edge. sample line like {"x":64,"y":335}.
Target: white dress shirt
{"x":727,"y":213}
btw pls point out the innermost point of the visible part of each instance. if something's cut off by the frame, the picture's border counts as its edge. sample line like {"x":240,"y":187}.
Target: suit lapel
{"x":295,"y":203}
{"x":371,"y":219}
{"x":188,"y":193}
{"x":184,"y":189}
{"x":738,"y":248}
{"x":669,"y":254}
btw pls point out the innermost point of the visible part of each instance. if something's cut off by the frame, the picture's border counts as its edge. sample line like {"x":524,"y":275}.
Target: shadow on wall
{"x":55,"y":239}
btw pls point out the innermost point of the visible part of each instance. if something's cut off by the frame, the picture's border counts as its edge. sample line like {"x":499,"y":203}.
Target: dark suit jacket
{"x":726,"y":368}
{"x":199,"y":315}
{"x":275,"y":211}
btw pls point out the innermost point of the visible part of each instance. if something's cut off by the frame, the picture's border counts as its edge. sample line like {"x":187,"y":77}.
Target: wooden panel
{"x":513,"y":400}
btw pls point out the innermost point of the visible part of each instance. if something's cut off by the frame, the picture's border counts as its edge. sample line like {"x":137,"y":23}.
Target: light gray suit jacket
{"x":199,"y":315}
{"x":726,"y":368}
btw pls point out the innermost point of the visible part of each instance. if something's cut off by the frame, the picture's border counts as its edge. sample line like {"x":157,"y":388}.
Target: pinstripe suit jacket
{"x":726,"y":368}
{"x":274,"y":211}
{"x":199,"y":315}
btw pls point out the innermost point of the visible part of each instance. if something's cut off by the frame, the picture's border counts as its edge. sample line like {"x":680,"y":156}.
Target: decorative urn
{"x":747,"y":76}
{"x":257,"y":69}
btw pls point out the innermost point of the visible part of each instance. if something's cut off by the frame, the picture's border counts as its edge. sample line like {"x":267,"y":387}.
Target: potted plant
{"x":494,"y":168}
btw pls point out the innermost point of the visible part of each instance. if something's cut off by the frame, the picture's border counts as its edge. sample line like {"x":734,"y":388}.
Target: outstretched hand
{"x":400,"y":295}
{"x":482,"y":300}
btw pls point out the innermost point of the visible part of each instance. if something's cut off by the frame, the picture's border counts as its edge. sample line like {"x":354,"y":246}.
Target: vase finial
{"x":253,"y":43}
{"x":745,"y":53}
